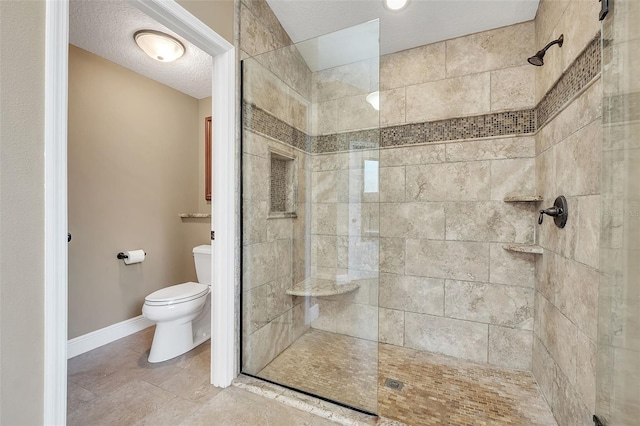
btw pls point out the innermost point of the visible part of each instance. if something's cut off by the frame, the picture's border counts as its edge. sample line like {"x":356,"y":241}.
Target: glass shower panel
{"x":310,"y":245}
{"x":618,"y":360}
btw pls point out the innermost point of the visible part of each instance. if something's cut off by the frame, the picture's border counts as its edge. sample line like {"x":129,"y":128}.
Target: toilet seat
{"x":178,"y":293}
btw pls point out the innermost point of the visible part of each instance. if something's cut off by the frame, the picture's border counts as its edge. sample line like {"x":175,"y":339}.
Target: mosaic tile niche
{"x":282,"y":189}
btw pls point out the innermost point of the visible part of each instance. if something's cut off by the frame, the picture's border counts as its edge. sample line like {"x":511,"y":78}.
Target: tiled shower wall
{"x":446,"y":284}
{"x":568,"y":163}
{"x":273,"y":244}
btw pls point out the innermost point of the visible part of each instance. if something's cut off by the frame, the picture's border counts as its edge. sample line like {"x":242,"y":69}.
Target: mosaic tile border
{"x":348,"y":141}
{"x":581,"y":72}
{"x":481,"y":126}
{"x":260,"y":121}
{"x":583,"y":69}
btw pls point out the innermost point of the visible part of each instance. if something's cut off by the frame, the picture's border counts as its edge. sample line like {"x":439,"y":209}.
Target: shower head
{"x":537,"y":59}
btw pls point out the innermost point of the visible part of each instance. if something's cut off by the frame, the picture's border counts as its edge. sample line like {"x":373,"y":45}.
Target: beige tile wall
{"x":471,"y":75}
{"x":568,"y":163}
{"x":578,"y":21}
{"x":273,"y":256}
{"x":273,"y":248}
{"x":260,"y":30}
{"x":444,"y":273}
{"x":339,"y":98}
{"x":345,"y":219}
{"x":439,"y":210}
{"x":345,"y":241}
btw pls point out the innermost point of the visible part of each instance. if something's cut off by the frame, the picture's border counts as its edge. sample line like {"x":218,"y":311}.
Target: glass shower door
{"x":310,"y":243}
{"x":618,"y":362}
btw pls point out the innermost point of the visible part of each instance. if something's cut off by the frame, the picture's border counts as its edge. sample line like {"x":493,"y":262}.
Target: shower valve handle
{"x":551,"y":211}
{"x":559,"y":212}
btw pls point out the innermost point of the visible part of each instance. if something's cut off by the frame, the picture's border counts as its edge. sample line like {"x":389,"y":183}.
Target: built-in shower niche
{"x":282,"y":189}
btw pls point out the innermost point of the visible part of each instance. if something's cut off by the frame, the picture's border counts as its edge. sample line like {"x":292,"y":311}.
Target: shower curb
{"x":316,"y":406}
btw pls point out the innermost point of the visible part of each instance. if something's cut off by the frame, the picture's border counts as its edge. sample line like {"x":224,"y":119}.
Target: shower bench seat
{"x":319,"y":287}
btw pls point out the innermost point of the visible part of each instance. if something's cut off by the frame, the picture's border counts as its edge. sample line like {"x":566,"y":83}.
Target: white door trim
{"x":177,"y":19}
{"x":55,"y":209}
{"x":223,"y":220}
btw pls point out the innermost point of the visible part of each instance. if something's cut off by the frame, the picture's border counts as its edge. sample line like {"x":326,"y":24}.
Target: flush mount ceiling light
{"x":395,"y":4}
{"x":374,"y":100}
{"x":159,"y":46}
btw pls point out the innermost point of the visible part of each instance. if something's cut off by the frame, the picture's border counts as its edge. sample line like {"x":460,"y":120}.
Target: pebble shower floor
{"x":437,"y":390}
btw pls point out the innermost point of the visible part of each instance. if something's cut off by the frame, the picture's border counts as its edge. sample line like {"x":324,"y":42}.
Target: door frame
{"x":176,"y":18}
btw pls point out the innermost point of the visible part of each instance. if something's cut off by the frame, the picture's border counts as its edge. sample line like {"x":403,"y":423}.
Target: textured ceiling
{"x":421,"y":22}
{"x":106,"y":29}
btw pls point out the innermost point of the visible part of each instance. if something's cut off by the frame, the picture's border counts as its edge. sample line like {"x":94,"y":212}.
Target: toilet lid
{"x":178,"y":293}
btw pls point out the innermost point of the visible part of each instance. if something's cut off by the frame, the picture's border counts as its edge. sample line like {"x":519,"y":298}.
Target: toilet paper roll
{"x":134,"y":256}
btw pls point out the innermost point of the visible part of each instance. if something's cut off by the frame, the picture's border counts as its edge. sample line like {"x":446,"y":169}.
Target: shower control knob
{"x":551,"y":211}
{"x":558,"y":211}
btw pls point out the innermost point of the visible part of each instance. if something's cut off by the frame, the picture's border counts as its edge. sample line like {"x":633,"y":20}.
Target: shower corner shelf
{"x":317,"y":287}
{"x":523,"y":248}
{"x":523,"y":198}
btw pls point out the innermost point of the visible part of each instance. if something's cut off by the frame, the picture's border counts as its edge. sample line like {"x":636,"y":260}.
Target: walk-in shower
{"x":392,"y":258}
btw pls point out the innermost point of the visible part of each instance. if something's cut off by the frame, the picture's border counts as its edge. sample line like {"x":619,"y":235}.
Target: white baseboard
{"x":95,"y":339}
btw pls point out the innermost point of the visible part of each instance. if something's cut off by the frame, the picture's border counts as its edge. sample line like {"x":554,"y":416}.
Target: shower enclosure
{"x":374,"y":273}
{"x":392,"y":259}
{"x":310,"y":208}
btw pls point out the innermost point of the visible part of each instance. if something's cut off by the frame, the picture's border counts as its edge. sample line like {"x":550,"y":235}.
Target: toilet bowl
{"x":182,"y":312}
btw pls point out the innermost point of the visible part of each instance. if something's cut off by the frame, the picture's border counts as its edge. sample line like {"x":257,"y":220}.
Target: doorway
{"x":178,"y":20}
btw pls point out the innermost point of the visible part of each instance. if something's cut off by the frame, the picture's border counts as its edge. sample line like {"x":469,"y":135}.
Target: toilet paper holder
{"x":121,"y":255}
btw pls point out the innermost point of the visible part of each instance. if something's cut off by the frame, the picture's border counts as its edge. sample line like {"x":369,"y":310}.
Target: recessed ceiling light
{"x":395,"y":4}
{"x":159,"y":46}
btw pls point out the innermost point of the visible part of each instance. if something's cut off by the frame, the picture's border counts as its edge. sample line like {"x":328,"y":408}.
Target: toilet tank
{"x":202,"y":259}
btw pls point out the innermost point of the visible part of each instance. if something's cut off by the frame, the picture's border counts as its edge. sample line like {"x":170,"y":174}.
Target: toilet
{"x":182,"y":312}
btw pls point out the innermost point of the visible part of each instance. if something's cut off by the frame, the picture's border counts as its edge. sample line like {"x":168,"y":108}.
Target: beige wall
{"x":22,"y":208}
{"x":568,"y":163}
{"x":21,"y":211}
{"x":133,"y":154}
{"x":217,"y":14}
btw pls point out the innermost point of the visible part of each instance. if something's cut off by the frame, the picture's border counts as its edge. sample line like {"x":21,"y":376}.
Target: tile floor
{"x":115,"y":385}
{"x":438,"y":390}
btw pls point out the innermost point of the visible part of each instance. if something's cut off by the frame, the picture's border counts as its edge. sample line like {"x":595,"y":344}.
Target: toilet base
{"x":174,"y":338}
{"x":170,"y":340}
